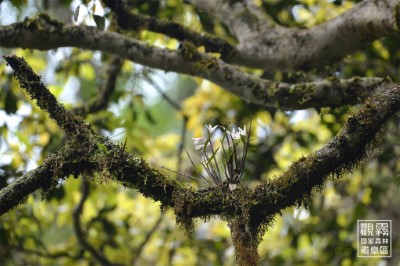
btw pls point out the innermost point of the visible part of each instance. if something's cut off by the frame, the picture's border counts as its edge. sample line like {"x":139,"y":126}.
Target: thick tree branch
{"x":43,"y":33}
{"x":241,"y":17}
{"x":57,"y":166}
{"x":92,"y":150}
{"x":343,"y":153}
{"x":71,"y":124}
{"x":135,"y":22}
{"x":264,"y":44}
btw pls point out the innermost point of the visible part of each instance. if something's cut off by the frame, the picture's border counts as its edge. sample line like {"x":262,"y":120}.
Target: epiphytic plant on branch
{"x":241,"y":58}
{"x":226,"y":150}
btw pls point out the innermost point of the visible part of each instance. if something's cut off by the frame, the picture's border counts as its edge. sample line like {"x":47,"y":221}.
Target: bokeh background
{"x":156,"y":113}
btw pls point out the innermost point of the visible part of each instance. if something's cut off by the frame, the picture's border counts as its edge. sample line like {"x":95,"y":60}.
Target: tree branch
{"x":72,"y":125}
{"x":138,"y":251}
{"x":57,"y":166}
{"x":79,"y":230}
{"x":89,"y":152}
{"x":41,"y":33}
{"x":92,"y":150}
{"x":267,"y":45}
{"x":342,"y":153}
{"x":135,"y":22}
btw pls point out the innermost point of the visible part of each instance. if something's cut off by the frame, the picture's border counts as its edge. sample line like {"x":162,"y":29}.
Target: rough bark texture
{"x":247,"y":211}
{"x":261,"y":44}
{"x":265,"y":44}
{"x":245,"y":243}
{"x":43,"y":33}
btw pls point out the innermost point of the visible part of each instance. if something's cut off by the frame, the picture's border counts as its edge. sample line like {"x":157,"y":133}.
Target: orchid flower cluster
{"x":223,"y":161}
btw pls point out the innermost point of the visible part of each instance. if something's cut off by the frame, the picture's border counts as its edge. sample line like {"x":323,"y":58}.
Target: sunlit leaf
{"x":102,"y":147}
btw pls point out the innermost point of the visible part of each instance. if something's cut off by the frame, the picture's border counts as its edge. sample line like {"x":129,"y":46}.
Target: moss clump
{"x":183,"y":202}
{"x":304,"y":92}
{"x":202,"y":63}
{"x":41,"y":21}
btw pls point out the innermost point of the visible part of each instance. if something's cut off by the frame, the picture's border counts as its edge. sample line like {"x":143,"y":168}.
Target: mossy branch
{"x":128,"y":169}
{"x":135,"y":22}
{"x":348,"y":149}
{"x":40,"y":33}
{"x":56,"y":167}
{"x":256,"y":208}
{"x":72,"y":125}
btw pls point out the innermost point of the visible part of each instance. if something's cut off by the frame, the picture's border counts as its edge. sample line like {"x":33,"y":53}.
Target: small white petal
{"x":232,"y":187}
{"x":242,"y":131}
{"x":197,"y":140}
{"x":234,"y":135}
{"x":211,"y":128}
{"x":198,"y":147}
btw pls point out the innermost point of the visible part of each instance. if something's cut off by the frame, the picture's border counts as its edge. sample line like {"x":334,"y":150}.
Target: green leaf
{"x":102,"y":147}
{"x":213,"y":155}
{"x":66,"y":2}
{"x":100,"y":22}
{"x":149,"y":117}
{"x":18,"y":3}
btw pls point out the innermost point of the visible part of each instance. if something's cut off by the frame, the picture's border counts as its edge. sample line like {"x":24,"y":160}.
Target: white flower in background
{"x":198,"y":147}
{"x":242,"y":131}
{"x":211,"y":128}
{"x":234,"y":135}
{"x":197,"y":141}
{"x":232,"y":187}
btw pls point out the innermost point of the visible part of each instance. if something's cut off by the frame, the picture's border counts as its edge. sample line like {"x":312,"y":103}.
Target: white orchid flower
{"x":242,"y":131}
{"x":211,"y":128}
{"x":197,"y":140}
{"x":233,"y":158}
{"x":235,"y":135}
{"x":198,"y":143}
{"x":198,"y":147}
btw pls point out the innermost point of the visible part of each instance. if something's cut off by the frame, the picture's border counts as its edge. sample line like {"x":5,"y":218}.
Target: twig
{"x":106,"y":89}
{"x":138,"y":251}
{"x":79,"y":230}
{"x":178,"y":108}
{"x":52,"y":255}
{"x":131,"y":21}
{"x":181,"y":145}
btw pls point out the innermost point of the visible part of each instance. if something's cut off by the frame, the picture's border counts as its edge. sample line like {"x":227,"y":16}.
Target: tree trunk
{"x":245,"y":242}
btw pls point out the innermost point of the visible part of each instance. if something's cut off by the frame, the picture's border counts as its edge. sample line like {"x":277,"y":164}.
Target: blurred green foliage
{"x":117,"y":221}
